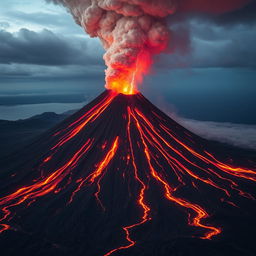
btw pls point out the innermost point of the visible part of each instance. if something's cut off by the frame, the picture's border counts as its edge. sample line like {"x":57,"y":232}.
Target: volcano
{"x":119,"y":177}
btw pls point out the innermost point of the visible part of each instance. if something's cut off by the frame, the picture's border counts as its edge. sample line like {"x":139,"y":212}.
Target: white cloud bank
{"x":239,"y":135}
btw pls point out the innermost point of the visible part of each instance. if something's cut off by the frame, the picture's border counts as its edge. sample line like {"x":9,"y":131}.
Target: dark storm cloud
{"x":220,"y":40}
{"x":231,"y":48}
{"x":213,"y":40}
{"x":27,"y":71}
{"x":245,"y":15}
{"x":42,"y":48}
{"x":239,"y":135}
{"x":226,"y":40}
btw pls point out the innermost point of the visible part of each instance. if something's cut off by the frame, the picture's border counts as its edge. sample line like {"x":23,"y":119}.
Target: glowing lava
{"x":122,"y":86}
{"x":127,"y":82}
{"x":124,"y":139}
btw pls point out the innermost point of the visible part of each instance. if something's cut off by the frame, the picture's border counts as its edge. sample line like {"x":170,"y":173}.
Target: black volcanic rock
{"x":121,"y":175}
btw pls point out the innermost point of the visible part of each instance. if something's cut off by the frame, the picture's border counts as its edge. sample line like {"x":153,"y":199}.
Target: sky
{"x":40,"y":41}
{"x":208,"y":75}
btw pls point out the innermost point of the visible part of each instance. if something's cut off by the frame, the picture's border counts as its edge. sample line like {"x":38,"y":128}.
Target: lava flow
{"x":101,"y":182}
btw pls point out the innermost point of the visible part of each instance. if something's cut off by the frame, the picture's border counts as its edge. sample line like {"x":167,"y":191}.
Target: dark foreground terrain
{"x":119,"y":177}
{"x":15,"y":135}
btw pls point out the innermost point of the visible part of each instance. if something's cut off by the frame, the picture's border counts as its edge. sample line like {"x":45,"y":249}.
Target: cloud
{"x":245,"y":15}
{"x":199,"y":42}
{"x":4,"y":25}
{"x":44,"y":54}
{"x":27,"y":71}
{"x":212,"y":40}
{"x":239,"y":135}
{"x":60,"y":22}
{"x":232,"y":47}
{"x":43,"y":48}
{"x":209,"y":6}
{"x":226,"y":40}
{"x":48,"y":19}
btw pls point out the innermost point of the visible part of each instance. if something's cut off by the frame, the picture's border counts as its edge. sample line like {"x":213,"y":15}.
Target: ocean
{"x":24,"y":111}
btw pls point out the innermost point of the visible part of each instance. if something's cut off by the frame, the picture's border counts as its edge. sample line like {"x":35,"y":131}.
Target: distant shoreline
{"x":24,"y":111}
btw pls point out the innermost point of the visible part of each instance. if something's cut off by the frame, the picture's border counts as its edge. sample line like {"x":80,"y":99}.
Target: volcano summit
{"x":119,"y":177}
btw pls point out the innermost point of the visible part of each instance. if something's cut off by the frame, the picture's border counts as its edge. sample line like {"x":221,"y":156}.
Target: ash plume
{"x":133,"y":31}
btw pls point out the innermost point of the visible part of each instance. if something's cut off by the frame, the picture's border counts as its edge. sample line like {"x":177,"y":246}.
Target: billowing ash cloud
{"x":132,"y":31}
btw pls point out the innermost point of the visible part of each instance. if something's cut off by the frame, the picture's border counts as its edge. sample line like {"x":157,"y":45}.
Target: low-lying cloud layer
{"x":239,"y":135}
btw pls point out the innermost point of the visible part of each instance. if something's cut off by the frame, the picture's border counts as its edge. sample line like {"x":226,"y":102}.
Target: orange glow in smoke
{"x":127,"y":81}
{"x":123,"y":86}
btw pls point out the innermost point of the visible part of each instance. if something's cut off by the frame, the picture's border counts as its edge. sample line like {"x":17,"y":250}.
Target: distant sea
{"x":28,"y":110}
{"x":18,"y":105}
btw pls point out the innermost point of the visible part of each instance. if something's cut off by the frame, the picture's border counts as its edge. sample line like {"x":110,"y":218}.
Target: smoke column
{"x":133,"y":31}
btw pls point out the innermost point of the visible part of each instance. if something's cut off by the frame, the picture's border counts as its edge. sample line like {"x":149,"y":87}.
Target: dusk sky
{"x":209,"y":74}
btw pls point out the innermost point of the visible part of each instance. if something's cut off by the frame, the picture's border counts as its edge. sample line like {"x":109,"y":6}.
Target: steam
{"x":132,"y":31}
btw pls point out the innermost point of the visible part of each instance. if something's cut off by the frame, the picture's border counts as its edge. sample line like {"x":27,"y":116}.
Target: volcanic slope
{"x":119,"y":177}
